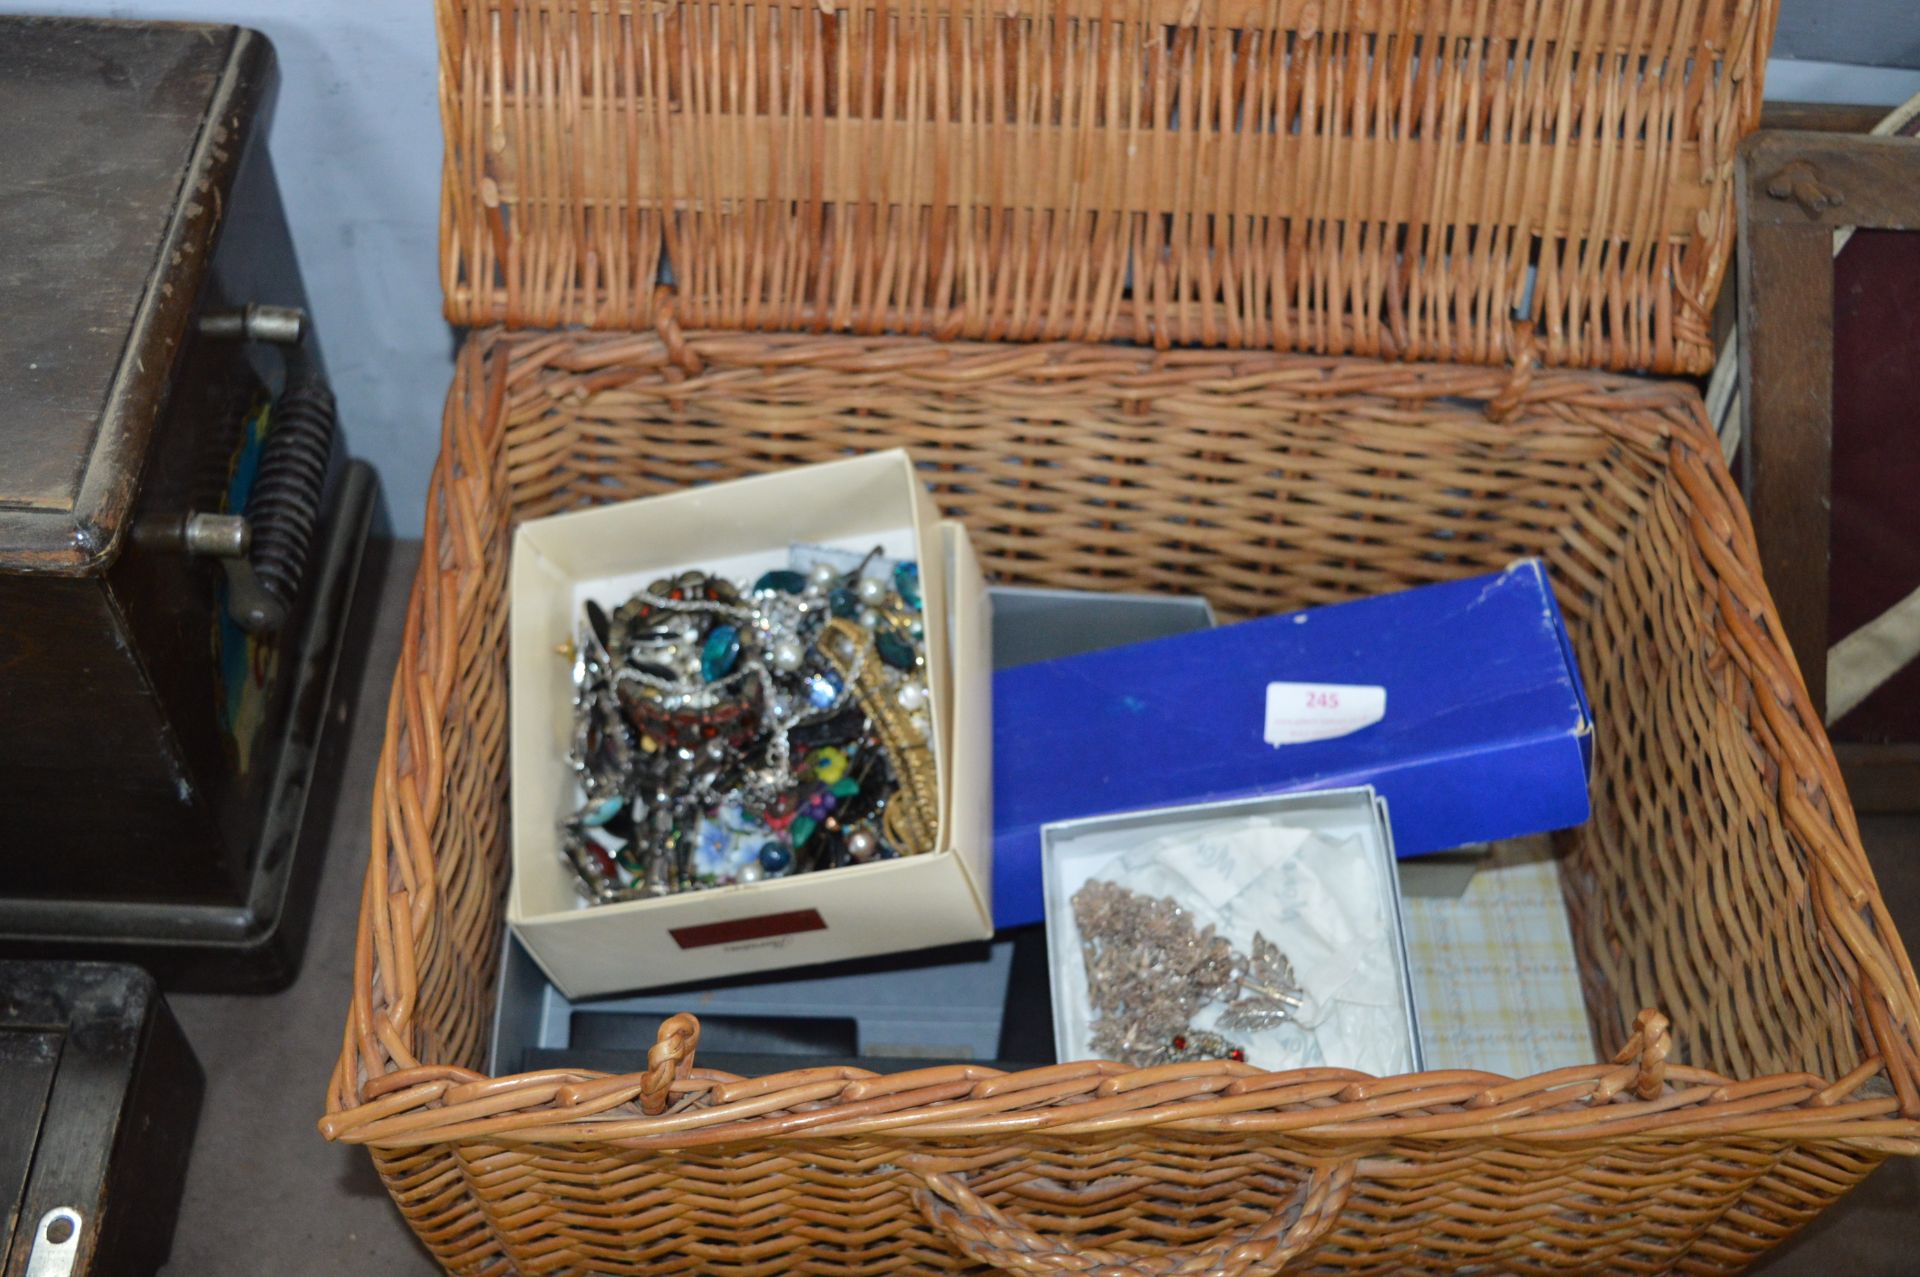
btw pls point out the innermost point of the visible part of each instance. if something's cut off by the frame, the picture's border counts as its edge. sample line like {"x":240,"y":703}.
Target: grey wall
{"x":1881,"y":33}
{"x":357,"y":145}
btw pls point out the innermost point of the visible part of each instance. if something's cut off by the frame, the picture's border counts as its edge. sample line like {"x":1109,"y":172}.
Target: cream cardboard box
{"x":738,"y":530}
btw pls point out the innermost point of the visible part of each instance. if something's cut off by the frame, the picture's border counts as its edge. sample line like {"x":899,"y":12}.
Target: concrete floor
{"x":266,"y":1195}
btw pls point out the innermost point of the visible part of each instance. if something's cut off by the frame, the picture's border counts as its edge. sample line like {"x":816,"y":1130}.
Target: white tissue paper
{"x":1320,"y":890}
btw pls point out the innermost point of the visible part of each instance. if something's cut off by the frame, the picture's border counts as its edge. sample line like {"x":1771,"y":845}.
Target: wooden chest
{"x":101,"y":1094}
{"x":171,"y":516}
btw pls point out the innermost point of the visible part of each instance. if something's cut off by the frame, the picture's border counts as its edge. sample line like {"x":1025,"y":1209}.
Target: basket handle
{"x":986,"y":1236}
{"x":1648,"y":1048}
{"x":1526,"y":358}
{"x":668,"y":1061}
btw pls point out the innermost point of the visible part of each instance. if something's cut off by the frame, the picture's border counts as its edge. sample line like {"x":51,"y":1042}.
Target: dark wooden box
{"x":99,"y":1095}
{"x":153,"y":349}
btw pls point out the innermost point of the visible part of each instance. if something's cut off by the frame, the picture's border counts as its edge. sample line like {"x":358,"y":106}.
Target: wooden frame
{"x":1795,"y":189}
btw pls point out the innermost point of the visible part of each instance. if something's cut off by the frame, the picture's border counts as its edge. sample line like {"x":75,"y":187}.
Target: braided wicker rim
{"x":401,"y":1080}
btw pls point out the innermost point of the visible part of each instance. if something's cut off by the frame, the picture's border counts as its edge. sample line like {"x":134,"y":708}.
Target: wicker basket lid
{"x":1480,"y":181}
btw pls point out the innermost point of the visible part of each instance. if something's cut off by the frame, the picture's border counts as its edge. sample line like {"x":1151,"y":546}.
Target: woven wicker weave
{"x":1720,"y":879}
{"x":1478,"y":181}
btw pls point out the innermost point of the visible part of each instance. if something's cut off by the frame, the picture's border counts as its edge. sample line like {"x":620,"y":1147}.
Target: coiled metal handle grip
{"x":284,"y":508}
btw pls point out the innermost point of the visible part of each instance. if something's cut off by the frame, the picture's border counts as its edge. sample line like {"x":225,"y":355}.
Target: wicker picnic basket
{"x":1720,"y":880}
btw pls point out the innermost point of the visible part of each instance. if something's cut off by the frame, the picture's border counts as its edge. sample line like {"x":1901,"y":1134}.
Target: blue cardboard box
{"x":1460,"y":703}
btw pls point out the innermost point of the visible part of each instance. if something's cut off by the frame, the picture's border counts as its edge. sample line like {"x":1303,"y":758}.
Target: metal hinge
{"x":56,"y":1245}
